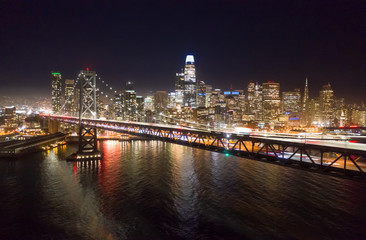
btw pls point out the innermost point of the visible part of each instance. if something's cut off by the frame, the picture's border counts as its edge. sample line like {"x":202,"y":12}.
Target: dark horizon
{"x":146,"y":42}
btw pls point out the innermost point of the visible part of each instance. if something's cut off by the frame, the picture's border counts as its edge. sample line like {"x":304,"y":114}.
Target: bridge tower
{"x":87,"y":109}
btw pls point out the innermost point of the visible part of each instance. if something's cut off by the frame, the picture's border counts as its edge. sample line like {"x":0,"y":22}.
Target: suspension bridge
{"x":322,"y":155}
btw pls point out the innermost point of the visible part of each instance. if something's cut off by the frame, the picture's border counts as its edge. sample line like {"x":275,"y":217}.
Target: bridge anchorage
{"x":88,"y":148}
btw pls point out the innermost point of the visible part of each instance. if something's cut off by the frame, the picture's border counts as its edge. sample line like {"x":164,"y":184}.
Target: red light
{"x":87,"y":69}
{"x":353,"y":126}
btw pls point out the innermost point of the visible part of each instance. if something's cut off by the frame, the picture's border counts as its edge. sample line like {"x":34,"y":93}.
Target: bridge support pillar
{"x":88,"y":146}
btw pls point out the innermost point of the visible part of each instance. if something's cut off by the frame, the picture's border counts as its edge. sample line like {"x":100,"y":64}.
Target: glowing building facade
{"x":271,"y":101}
{"x":70,"y":108}
{"x":190,"y":83}
{"x":326,"y":102}
{"x":56,"y":92}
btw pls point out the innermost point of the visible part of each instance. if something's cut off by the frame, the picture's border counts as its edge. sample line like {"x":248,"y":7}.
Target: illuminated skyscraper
{"x":305,"y":100}
{"x":56,"y":92}
{"x":250,"y":97}
{"x":179,"y":88}
{"x":160,"y":101}
{"x":190,"y":83}
{"x":306,"y":115}
{"x":258,"y":102}
{"x":148,"y":103}
{"x":130,"y":111}
{"x":140,"y":108}
{"x":118,"y":106}
{"x":10,"y":118}
{"x":203,"y":95}
{"x":271,"y":101}
{"x":292,"y":101}
{"x":69,"y":97}
{"x":326,"y":104}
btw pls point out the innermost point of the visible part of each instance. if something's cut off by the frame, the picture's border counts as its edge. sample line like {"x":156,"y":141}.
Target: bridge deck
{"x":280,"y":149}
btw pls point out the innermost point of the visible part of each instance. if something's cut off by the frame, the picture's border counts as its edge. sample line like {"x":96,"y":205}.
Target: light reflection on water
{"x":157,"y":190}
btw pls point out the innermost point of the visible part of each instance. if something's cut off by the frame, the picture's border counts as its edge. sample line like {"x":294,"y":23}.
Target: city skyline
{"x":325,"y":47}
{"x":182,"y":119}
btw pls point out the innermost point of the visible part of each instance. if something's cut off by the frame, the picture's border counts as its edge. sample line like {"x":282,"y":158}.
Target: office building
{"x":271,"y":101}
{"x":190,"y":83}
{"x":56,"y":92}
{"x":291,"y":102}
{"x":130,"y":111}
{"x":160,"y":101}
{"x":10,"y":118}
{"x":70,"y":97}
{"x":326,"y":104}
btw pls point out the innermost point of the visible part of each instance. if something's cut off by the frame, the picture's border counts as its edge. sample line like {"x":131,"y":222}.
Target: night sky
{"x":146,"y":42}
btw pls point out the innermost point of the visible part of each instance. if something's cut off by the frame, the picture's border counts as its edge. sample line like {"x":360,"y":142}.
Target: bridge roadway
{"x":323,"y":154}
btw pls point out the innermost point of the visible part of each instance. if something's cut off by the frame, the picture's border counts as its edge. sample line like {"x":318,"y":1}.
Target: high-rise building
{"x":179,"y":88}
{"x":130,"y":111}
{"x":148,"y":103}
{"x":314,"y":112}
{"x":56,"y":92}
{"x":271,"y":101}
{"x":160,"y":101}
{"x":306,"y":115}
{"x":172,"y":102}
{"x":250,"y":97}
{"x":291,"y":101}
{"x":204,"y":92}
{"x":326,"y":102}
{"x":70,"y":97}
{"x":305,"y":99}
{"x":140,"y":108}
{"x":118,"y":106}
{"x":10,"y":118}
{"x":190,"y":83}
{"x":258,"y":102}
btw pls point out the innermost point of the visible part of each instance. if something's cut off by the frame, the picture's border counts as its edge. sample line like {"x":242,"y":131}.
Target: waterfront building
{"x":358,"y":117}
{"x":10,"y":118}
{"x":56,"y":92}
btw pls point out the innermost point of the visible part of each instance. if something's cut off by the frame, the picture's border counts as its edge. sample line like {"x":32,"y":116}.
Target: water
{"x":156,"y":190}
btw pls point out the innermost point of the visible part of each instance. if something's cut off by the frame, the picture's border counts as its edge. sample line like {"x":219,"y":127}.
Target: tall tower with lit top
{"x":190,"y":82}
{"x":56,"y":92}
